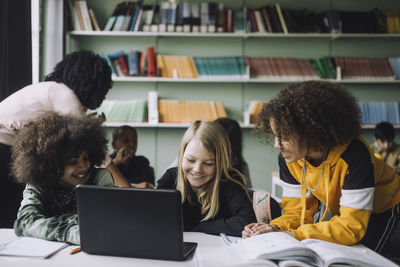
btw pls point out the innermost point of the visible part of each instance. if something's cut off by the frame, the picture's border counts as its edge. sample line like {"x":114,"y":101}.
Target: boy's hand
{"x":122,"y":157}
{"x":144,"y":185}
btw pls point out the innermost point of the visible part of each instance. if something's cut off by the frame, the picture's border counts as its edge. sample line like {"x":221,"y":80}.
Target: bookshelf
{"x":160,"y":142}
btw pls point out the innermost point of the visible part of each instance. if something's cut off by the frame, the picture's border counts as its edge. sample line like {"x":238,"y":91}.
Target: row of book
{"x":169,"y":16}
{"x":184,"y":111}
{"x":124,"y":110}
{"x":372,"y":112}
{"x":376,"y":111}
{"x":154,"y":110}
{"x":147,"y":63}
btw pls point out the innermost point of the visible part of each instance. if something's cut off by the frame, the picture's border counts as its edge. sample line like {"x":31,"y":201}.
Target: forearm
{"x":62,"y":228}
{"x":232,"y":226}
{"x":119,"y":178}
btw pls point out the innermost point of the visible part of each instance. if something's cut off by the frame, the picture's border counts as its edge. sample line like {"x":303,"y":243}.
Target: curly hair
{"x":43,"y":145}
{"x":87,"y":74}
{"x":322,"y":115}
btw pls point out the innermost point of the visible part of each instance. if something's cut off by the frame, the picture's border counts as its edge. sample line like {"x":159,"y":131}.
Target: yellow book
{"x":281,"y":19}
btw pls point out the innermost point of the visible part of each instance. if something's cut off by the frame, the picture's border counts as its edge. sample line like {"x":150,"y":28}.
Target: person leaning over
{"x":79,"y":82}
{"x":323,"y":159}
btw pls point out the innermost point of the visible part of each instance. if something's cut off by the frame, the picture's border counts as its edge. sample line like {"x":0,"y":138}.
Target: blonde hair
{"x":214,"y":138}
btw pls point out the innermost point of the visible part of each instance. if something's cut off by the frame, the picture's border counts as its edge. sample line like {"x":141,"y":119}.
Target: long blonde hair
{"x":214,"y":138}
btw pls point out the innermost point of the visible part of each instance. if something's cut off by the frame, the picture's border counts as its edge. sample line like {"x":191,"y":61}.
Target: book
{"x":151,"y":62}
{"x":31,"y":247}
{"x":111,"y":20}
{"x":283,"y":247}
{"x":94,"y":20}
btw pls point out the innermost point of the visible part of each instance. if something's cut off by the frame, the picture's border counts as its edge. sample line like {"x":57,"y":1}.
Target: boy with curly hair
{"x":52,"y":154}
{"x":325,"y":163}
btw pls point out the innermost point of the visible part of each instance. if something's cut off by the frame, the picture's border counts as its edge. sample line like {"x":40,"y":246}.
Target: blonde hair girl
{"x":213,"y":193}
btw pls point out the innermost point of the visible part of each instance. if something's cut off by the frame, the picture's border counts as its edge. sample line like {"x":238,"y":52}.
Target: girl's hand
{"x":257,"y":229}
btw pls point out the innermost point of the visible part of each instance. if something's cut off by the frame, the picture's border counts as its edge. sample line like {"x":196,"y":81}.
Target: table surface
{"x":210,"y":252}
{"x":210,"y":244}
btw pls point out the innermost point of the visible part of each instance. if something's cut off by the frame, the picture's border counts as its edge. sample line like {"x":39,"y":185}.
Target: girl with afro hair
{"x":325,"y":165}
{"x":51,"y":155}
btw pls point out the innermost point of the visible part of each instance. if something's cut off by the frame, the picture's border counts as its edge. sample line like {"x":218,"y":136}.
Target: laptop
{"x":129,"y":222}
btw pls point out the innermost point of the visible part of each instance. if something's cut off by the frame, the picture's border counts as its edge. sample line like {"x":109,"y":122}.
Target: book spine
{"x":151,"y":62}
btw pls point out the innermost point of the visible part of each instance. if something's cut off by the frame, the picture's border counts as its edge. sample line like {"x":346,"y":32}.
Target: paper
{"x":31,"y":247}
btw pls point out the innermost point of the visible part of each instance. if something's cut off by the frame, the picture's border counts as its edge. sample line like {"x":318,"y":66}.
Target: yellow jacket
{"x":352,"y":184}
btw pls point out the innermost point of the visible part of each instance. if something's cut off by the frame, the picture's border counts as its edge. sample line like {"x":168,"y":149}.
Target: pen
{"x":75,"y":250}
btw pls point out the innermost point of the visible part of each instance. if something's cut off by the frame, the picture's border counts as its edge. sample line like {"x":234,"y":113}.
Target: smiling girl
{"x":214,"y":197}
{"x":52,"y":154}
{"x":325,"y":165}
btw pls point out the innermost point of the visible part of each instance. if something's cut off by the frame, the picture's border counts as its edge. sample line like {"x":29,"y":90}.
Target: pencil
{"x":75,"y":250}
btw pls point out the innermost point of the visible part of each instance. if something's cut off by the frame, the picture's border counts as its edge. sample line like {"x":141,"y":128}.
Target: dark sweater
{"x":137,"y":170}
{"x":235,"y":209}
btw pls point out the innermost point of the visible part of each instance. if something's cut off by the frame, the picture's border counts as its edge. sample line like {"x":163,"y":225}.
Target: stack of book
{"x":184,"y":111}
{"x":254,"y":108}
{"x":377,"y":111}
{"x":133,"y":63}
{"x":324,"y":67}
{"x":281,"y":68}
{"x":124,"y":110}
{"x":395,"y":64}
{"x":364,"y":68}
{"x":169,"y":16}
{"x":221,"y":67}
{"x":176,"y":66}
{"x":393,"y":21}
{"x":80,"y":17}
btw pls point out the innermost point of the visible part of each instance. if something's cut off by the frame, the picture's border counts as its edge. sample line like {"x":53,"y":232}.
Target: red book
{"x":151,"y":62}
{"x":123,"y":65}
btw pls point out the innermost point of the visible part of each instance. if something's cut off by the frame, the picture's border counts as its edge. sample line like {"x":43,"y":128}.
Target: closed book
{"x":106,"y":58}
{"x":195,"y":8}
{"x":164,"y":11}
{"x":281,"y":19}
{"x":151,"y":62}
{"x":119,"y":21}
{"x":153,"y":107}
{"x":187,"y":16}
{"x":138,"y":7}
{"x":133,"y":63}
{"x":94,"y":20}
{"x":171,"y":17}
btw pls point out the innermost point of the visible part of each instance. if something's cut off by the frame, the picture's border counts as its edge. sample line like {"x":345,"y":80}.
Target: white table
{"x":211,"y":252}
{"x":208,"y":243}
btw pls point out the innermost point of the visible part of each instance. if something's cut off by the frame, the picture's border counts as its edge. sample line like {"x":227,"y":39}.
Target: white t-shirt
{"x":31,"y":101}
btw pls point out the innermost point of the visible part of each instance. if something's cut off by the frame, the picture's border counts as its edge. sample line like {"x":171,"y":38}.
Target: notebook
{"x":128,"y":222}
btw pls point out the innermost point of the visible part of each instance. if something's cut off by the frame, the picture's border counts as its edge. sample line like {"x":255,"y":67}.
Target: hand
{"x":144,"y":185}
{"x":257,"y":229}
{"x":122,"y":157}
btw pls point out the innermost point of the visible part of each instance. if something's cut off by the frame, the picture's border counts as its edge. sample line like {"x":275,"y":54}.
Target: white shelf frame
{"x":332,"y":36}
{"x":244,"y":80}
{"x":185,"y":125}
